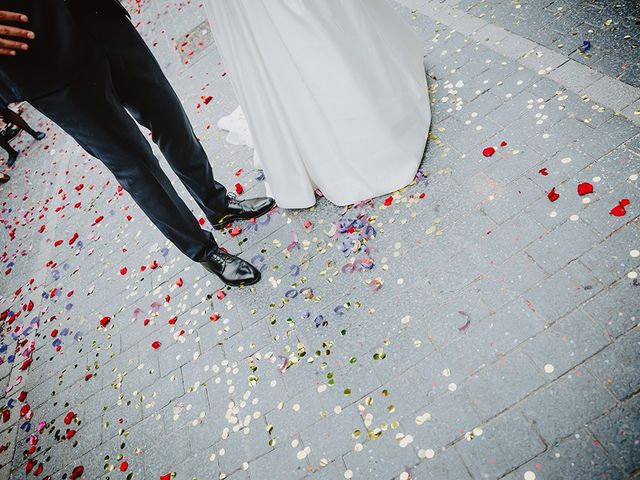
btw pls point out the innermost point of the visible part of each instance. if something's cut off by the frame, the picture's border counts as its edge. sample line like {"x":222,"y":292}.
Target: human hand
{"x":7,"y":45}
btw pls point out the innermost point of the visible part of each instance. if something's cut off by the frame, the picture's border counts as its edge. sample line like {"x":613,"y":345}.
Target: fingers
{"x":13,"y":45}
{"x":13,"y":16}
{"x":10,"y":47}
{"x":16,"y":32}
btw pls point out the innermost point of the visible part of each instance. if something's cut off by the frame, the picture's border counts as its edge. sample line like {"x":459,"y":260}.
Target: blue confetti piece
{"x":293,"y":293}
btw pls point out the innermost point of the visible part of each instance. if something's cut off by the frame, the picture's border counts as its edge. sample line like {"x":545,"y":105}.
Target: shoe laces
{"x":232,"y":198}
{"x":220,"y":256}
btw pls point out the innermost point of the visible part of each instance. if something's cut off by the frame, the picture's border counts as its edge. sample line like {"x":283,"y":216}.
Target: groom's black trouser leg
{"x":149,"y":97}
{"x":91,"y":111}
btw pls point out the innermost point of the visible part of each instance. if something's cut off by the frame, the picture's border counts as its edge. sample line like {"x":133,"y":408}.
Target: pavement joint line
{"x":449,"y":18}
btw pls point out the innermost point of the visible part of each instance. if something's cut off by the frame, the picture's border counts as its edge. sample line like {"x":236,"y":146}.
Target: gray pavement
{"x":495,"y":337}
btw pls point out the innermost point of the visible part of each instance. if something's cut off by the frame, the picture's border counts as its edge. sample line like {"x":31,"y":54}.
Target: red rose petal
{"x":105,"y":321}
{"x":585,"y":188}
{"x":123,"y":271}
{"x":124,"y":466}
{"x":156,"y":345}
{"x":69,"y":417}
{"x":503,"y":143}
{"x":26,"y":364}
{"x":235,"y":231}
{"x":77,"y":472}
{"x":201,"y":221}
{"x":179,"y":282}
{"x":618,"y":211}
{"x":488,"y":152}
{"x":543,"y":172}
{"x":553,"y":195}
{"x":173,"y":320}
{"x":388,"y":201}
{"x":239,"y":188}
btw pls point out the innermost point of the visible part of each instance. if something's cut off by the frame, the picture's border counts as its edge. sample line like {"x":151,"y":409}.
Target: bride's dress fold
{"x":334,"y":93}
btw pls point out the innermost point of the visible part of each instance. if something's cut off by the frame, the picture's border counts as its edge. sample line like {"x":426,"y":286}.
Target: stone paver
{"x":495,"y":337}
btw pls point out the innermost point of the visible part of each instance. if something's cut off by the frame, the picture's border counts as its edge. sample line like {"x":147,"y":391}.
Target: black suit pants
{"x":123,"y":80}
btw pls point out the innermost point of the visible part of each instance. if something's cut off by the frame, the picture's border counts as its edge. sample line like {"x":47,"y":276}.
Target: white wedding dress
{"x":333,"y":95}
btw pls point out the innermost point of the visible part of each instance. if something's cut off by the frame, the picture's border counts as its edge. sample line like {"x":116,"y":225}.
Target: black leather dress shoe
{"x":232,"y":270}
{"x":243,"y":210}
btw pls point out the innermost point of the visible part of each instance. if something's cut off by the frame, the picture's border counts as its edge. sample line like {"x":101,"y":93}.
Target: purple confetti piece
{"x":265,"y":220}
{"x":465,"y":325}
{"x":257,"y":258}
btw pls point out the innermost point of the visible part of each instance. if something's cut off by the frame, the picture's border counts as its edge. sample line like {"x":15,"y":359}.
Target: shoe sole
{"x":243,"y":284}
